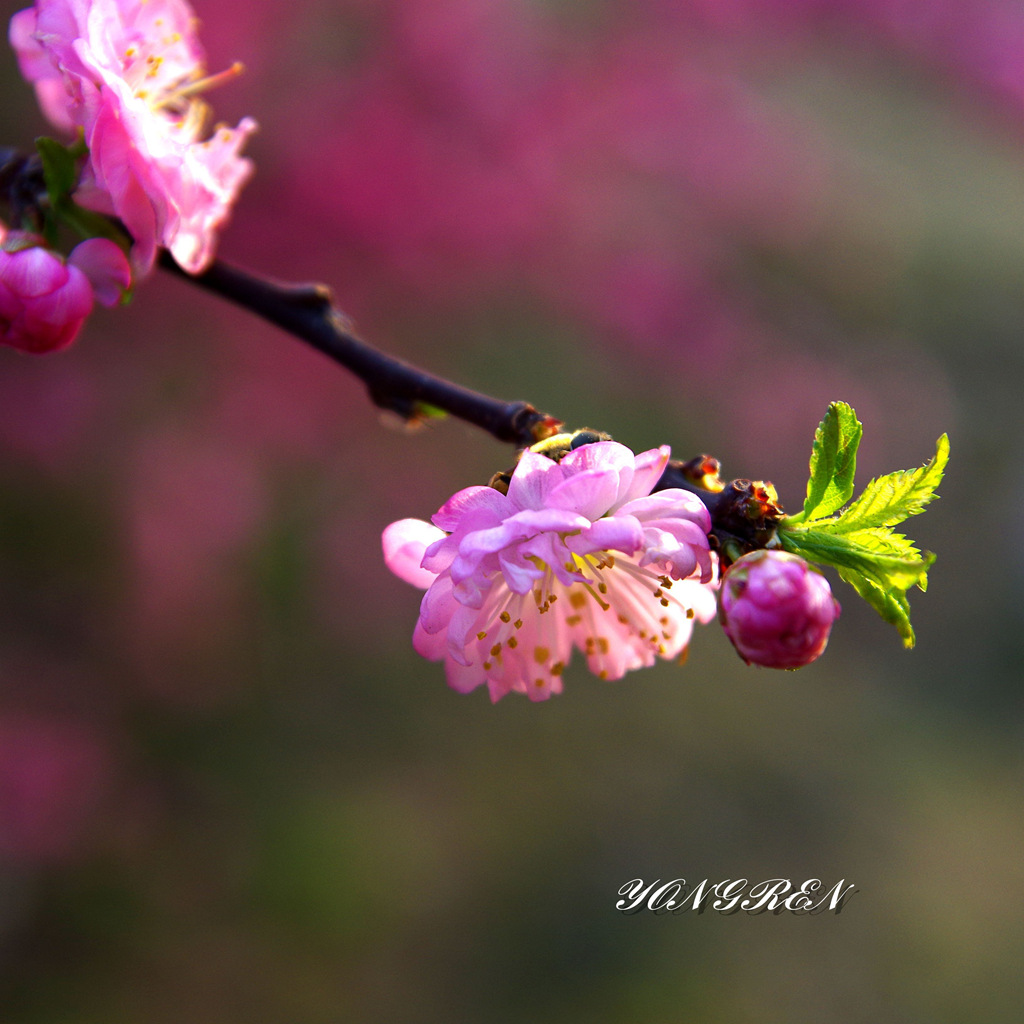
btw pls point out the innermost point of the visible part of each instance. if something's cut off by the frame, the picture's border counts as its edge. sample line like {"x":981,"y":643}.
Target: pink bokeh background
{"x":689,"y":223}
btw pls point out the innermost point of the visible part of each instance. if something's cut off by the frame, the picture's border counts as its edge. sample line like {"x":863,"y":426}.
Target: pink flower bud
{"x":43,"y":299}
{"x":776,"y":609}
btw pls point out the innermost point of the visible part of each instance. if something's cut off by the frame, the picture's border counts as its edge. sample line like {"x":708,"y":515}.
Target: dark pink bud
{"x":43,"y":300}
{"x":776,"y":609}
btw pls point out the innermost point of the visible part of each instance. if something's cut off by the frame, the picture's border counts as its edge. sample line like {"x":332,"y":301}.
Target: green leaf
{"x":60,"y":170}
{"x":892,"y":605}
{"x":880,"y":564}
{"x":833,"y":462}
{"x":878,"y":553}
{"x":892,"y":498}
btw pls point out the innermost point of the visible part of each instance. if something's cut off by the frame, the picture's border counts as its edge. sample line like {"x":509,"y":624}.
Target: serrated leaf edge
{"x":833,"y":456}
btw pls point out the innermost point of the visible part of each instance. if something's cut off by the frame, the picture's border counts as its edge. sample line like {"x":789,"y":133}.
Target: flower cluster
{"x":44,"y":299}
{"x":128,"y":74}
{"x":578,"y":553}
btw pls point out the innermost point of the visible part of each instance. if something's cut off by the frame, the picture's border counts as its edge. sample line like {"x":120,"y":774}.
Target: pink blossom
{"x":776,"y":609}
{"x":44,"y":299}
{"x":128,"y":72}
{"x":578,"y":553}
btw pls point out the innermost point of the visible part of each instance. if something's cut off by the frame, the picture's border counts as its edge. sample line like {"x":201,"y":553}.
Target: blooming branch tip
{"x":129,"y":74}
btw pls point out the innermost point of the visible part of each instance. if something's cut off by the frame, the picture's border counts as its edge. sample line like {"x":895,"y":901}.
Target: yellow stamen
{"x":201,"y":85}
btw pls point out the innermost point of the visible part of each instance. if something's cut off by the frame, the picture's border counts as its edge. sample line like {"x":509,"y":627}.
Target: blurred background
{"x":229,"y":789}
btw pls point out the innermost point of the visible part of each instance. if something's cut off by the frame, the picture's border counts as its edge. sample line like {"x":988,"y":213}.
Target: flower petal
{"x":106,"y":267}
{"x":647,"y":470}
{"x":590,"y":492}
{"x":672,"y":502}
{"x":404,"y":545}
{"x":613,"y":533}
{"x":533,"y":478}
{"x":490,"y":505}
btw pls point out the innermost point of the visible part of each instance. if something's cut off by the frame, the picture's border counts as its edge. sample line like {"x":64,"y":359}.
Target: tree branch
{"x":308,"y":312}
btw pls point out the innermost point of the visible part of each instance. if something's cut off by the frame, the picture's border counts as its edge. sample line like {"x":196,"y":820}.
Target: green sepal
{"x":833,"y":463}
{"x":90,"y":224}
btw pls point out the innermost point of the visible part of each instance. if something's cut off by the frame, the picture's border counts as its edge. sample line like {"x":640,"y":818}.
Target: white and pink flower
{"x":579,"y":553}
{"x":129,"y":74}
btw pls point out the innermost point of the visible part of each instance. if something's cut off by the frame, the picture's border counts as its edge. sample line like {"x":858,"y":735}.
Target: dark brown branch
{"x":308,"y":312}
